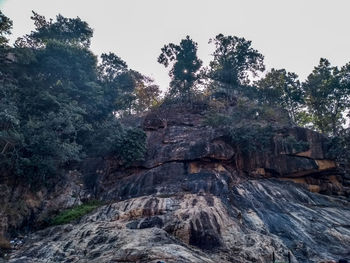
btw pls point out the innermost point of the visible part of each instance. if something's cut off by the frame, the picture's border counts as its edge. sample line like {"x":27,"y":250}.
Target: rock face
{"x":197,"y":198}
{"x":260,"y":216}
{"x":22,"y":208}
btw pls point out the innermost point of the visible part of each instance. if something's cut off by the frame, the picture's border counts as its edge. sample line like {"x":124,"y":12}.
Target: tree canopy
{"x":327,"y":96}
{"x":184,"y":65}
{"x":5,"y":28}
{"x":234,"y":61}
{"x":283,"y":89}
{"x":71,"y":31}
{"x":60,"y":103}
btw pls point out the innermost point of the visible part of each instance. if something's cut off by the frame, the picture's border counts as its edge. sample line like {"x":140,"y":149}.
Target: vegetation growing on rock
{"x":184,"y":166}
{"x":57,"y":100}
{"x":59,"y":104}
{"x":74,"y":213}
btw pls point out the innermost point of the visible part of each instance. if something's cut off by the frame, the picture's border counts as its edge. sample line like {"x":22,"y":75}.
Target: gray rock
{"x":197,"y":198}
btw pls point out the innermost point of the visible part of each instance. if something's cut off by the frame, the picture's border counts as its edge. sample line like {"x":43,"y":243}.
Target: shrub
{"x":75,"y":213}
{"x":216,"y":119}
{"x":128,"y":144}
{"x":296,"y":146}
{"x":5,"y":246}
{"x":131,"y":146}
{"x":251,"y":138}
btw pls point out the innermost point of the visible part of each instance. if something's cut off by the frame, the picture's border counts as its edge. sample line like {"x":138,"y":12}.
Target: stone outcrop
{"x":258,"y":217}
{"x":198,"y":198}
{"x":24,"y":209}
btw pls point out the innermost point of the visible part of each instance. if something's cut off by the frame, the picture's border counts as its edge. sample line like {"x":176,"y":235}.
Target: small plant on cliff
{"x":216,"y":119}
{"x":295,"y":145}
{"x":5,"y":246}
{"x":251,"y":138}
{"x":248,"y":127}
{"x":75,"y":213}
{"x":131,"y":146}
{"x":339,"y":149}
{"x":128,"y":144}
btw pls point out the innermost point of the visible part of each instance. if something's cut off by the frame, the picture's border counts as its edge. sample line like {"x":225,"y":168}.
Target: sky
{"x":291,"y":34}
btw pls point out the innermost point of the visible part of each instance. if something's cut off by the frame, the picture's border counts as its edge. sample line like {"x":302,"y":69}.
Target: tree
{"x":125,"y":90}
{"x":5,"y":29}
{"x":113,"y":74}
{"x":57,"y":104}
{"x":71,"y":31}
{"x":283,"y":89}
{"x":9,"y":119}
{"x":234,"y":60}
{"x":147,"y":95}
{"x":339,"y":149}
{"x":184,"y":65}
{"x":327,"y":96}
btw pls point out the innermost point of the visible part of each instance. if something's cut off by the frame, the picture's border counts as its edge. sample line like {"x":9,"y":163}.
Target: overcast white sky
{"x":291,"y":34}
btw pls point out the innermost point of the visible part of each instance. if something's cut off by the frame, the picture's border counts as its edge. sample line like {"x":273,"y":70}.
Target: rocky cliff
{"x":195,"y":198}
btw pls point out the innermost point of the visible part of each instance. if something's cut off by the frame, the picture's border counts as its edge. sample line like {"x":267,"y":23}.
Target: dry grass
{"x":4,"y":243}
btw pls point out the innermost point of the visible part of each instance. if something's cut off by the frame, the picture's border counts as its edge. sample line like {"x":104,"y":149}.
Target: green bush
{"x":126,"y":143}
{"x":131,"y":146}
{"x":216,"y":119}
{"x":251,"y":138}
{"x":75,"y":213}
{"x":296,"y":146}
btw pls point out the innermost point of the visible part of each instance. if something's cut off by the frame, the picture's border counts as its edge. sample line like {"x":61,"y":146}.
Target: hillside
{"x":195,"y":198}
{"x":232,"y":162}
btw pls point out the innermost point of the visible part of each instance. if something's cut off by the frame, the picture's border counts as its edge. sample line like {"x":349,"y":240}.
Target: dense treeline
{"x":321,"y":102}
{"x":60,"y":103}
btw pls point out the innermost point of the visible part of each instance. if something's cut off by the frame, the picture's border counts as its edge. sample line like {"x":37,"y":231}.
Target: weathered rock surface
{"x":196,"y":198}
{"x":22,"y":207}
{"x":257,"y":218}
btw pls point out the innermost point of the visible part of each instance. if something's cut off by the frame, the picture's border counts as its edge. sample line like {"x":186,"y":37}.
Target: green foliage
{"x":184,"y":65}
{"x":5,"y":29}
{"x":48,"y":143}
{"x":195,"y":102}
{"x":126,"y":143}
{"x":75,"y":213}
{"x":216,"y":119}
{"x":250,"y":132}
{"x":248,"y":127}
{"x":59,"y":105}
{"x":117,"y":81}
{"x":125,"y":90}
{"x":234,"y":61}
{"x":131,"y":146}
{"x":339,"y":148}
{"x":246,"y":112}
{"x":252,"y":138}
{"x":282,"y":89}
{"x":249,"y":112}
{"x":305,"y":119}
{"x":147,"y":95}
{"x":70,"y":31}
{"x":294,"y":145}
{"x":327,"y":91}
